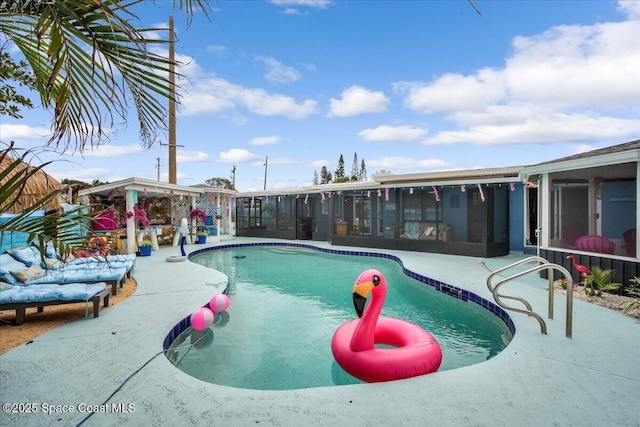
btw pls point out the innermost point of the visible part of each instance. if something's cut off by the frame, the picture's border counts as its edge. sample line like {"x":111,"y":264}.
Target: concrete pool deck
{"x":592,"y":379}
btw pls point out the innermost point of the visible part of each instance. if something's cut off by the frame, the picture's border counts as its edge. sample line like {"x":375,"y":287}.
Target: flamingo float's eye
{"x":376,"y":280}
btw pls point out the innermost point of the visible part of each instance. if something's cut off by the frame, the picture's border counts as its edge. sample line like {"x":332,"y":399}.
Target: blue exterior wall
{"x":516,"y":219}
{"x":618,"y":208}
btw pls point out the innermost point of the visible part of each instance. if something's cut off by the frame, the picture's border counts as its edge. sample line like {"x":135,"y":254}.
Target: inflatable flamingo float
{"x":415,"y":351}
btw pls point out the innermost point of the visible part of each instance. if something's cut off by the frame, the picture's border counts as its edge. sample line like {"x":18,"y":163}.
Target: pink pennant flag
{"x":386,"y":194}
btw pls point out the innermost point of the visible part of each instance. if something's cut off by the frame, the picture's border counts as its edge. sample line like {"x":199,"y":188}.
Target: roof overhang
{"x":387,"y":180}
{"x":457,"y":177}
{"x":152,"y":188}
{"x":597,"y":161}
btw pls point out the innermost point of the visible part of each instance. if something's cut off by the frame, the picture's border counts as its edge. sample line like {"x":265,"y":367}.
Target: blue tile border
{"x":445,"y":288}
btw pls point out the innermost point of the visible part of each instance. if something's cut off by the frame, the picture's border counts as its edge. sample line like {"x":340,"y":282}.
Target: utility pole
{"x":233,"y":177}
{"x":266,"y":163}
{"x":158,"y":167}
{"x":173,"y":173}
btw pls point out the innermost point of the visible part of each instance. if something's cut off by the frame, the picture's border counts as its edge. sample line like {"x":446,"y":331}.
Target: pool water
{"x":287,"y":302}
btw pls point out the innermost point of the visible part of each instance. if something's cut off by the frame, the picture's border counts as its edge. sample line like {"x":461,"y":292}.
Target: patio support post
{"x":231,"y":204}
{"x":132,"y":244}
{"x":544,"y":188}
{"x":194,"y":224}
{"x":218,"y":222}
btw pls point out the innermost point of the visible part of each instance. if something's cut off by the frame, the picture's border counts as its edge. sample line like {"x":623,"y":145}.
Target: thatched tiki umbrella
{"x":34,"y":189}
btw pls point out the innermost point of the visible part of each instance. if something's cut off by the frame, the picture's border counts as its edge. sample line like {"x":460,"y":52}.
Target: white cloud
{"x":630,"y":8}
{"x":452,"y":92}
{"x":317,"y":4}
{"x":393,"y":133}
{"x":398,"y":162}
{"x":265,"y":140}
{"x":564,"y":84}
{"x":83,"y":174}
{"x":237,"y":155}
{"x":183,"y":156}
{"x":552,"y":127}
{"x":293,"y":11}
{"x":214,"y":96}
{"x":318,"y":164}
{"x":577,"y":66}
{"x":277,"y":72}
{"x":9,"y":131}
{"x":358,"y":100}
{"x":281,"y":161}
{"x":106,"y":150}
{"x":187,"y":67}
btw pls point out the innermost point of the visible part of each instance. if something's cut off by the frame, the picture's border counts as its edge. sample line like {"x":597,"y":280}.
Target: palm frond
{"x":72,"y":228}
{"x":91,"y":64}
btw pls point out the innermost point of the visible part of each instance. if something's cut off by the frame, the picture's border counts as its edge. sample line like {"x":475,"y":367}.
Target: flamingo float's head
{"x":368,"y":281}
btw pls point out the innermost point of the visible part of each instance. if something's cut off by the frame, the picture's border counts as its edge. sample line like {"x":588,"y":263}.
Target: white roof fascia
{"x":610,"y":159}
{"x":139,"y":184}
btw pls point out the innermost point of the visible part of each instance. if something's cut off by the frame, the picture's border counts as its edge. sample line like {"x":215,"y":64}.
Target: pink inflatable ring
{"x":416,"y":351}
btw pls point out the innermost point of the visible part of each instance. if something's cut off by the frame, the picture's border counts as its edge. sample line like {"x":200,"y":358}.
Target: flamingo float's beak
{"x":361,"y":291}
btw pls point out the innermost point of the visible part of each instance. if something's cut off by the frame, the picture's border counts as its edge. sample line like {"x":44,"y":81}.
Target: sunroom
{"x":588,"y":207}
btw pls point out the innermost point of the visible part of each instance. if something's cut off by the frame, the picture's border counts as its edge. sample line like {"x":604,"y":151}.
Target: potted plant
{"x":202,"y":237}
{"x":145,"y":248}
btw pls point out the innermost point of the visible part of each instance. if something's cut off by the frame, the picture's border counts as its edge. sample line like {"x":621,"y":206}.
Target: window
{"x":599,"y":202}
{"x":286,"y":220}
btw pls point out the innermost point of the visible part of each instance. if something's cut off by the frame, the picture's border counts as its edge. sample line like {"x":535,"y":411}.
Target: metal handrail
{"x":544,"y":264}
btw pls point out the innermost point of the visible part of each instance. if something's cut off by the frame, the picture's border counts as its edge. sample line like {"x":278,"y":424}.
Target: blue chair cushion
{"x":28,"y":256}
{"x":43,"y":293}
{"x":8,"y":264}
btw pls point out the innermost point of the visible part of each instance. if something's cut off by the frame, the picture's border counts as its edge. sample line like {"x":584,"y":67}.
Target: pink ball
{"x":219,"y":303}
{"x":202,"y":319}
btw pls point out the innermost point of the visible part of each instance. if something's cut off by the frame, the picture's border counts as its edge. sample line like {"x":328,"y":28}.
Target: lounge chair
{"x":19,"y":298}
{"x":24,"y":266}
{"x":595,"y":243}
{"x":629,"y":246}
{"x":569,"y":237}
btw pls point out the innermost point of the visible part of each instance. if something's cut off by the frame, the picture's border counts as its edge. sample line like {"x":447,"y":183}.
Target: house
{"x":460,"y":212}
{"x":587,"y":205}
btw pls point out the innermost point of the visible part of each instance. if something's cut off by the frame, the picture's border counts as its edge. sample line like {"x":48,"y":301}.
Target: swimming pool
{"x":288,"y":300}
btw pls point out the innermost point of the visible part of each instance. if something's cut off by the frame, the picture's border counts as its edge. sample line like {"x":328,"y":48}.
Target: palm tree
{"x":18,"y":196}
{"x":90,"y":63}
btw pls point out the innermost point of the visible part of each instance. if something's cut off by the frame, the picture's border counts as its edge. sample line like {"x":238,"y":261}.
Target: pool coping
{"x":590,"y":379}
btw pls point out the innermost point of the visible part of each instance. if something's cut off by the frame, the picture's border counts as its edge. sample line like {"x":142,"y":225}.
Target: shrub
{"x":599,"y":281}
{"x":634,"y":291}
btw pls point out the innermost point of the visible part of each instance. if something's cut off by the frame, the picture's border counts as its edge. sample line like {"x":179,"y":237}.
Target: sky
{"x":407,"y":86}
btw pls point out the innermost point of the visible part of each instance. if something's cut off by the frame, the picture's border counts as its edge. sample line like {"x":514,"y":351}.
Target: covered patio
{"x":164,"y":205}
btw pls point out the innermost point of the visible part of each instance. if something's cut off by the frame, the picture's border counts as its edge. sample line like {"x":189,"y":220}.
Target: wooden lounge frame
{"x":20,"y":307}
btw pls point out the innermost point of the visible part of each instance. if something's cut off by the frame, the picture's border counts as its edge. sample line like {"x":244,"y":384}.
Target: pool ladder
{"x":542,"y":264}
